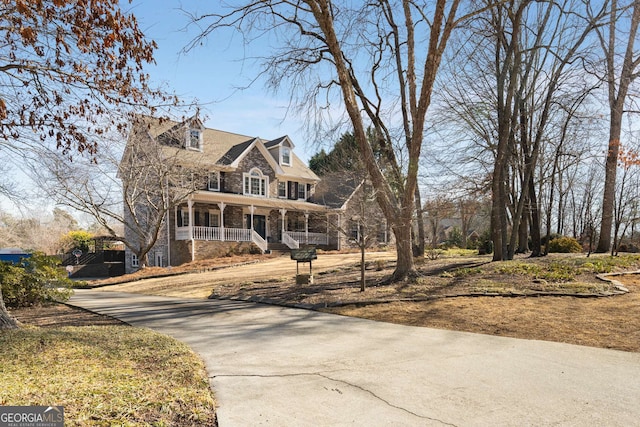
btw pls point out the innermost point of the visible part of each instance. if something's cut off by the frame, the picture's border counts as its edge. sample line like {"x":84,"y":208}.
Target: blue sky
{"x":209,"y":74}
{"x":212,"y":73}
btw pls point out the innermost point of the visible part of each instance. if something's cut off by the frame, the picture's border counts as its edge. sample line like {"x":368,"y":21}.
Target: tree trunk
{"x":536,"y":241}
{"x":420,"y":243}
{"x":363,"y":282}
{"x":404,"y":265}
{"x":609,"y":197}
{"x":523,"y":234}
{"x":6,"y":321}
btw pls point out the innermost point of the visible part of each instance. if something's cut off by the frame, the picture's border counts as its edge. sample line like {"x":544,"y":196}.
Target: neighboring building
{"x":13,"y":255}
{"x":257,"y":195}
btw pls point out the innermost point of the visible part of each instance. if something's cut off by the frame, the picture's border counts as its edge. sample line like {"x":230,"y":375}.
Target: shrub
{"x":564,"y":245}
{"x":433,"y":253}
{"x":36,"y":280}
{"x":78,"y":239}
{"x":485,"y":244}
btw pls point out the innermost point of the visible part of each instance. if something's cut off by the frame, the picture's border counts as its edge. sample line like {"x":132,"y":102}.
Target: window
{"x":282,"y":189}
{"x":286,"y":156}
{"x":382,"y":233}
{"x":255,"y":184}
{"x":302,"y":191}
{"x":355,"y":231}
{"x":134,"y":260}
{"x":214,"y":181}
{"x":183,"y":218}
{"x":194,"y":139}
{"x":212,"y":219}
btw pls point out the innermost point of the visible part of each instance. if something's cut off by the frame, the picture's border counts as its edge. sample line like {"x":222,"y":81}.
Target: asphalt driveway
{"x":289,"y":367}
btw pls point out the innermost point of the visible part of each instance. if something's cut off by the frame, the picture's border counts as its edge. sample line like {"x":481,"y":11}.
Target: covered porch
{"x":262,"y":221}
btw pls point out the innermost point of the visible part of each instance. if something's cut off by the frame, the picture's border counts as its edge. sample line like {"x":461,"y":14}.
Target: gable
{"x":255,"y":158}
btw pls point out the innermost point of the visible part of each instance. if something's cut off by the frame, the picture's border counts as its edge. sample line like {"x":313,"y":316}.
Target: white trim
{"x":259,"y":144}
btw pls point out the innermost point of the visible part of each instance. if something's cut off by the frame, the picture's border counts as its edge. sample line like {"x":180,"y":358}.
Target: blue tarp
{"x":13,"y":258}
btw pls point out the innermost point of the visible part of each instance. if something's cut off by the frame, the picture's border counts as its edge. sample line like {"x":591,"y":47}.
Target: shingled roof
{"x":219,"y":148}
{"x":335,"y":189}
{"x":235,"y":152}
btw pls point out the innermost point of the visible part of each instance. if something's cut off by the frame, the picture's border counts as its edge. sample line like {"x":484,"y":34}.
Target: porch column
{"x":306,"y":227}
{"x":221,"y":206}
{"x":339,"y":220}
{"x":252,"y":209}
{"x":327,"y":233}
{"x":283,"y":212}
{"x":193,"y":242}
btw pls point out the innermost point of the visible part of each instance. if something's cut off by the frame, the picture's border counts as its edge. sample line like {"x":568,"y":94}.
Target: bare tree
{"x":130,"y":189}
{"x":363,"y":221}
{"x":618,"y":78}
{"x":438,"y":209}
{"x":64,"y":66}
{"x":519,"y":70}
{"x":381,"y":59}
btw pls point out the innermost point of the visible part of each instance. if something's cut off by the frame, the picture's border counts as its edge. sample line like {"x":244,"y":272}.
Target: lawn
{"x":105,"y":375}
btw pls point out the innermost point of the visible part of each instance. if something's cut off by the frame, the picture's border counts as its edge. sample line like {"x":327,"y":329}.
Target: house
{"x":354,"y":215}
{"x":241,"y":193}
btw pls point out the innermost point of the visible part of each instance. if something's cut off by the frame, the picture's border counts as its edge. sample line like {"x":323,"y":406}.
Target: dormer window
{"x":286,"y":156}
{"x":195,"y":139}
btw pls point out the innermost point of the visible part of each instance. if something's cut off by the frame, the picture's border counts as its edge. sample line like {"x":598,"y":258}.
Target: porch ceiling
{"x":259,"y":202}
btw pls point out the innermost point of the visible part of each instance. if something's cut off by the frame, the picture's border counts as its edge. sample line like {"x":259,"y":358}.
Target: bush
{"x":564,"y":245}
{"x":36,"y":280}
{"x":78,"y":239}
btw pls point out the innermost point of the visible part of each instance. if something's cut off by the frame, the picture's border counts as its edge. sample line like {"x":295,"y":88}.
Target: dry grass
{"x":103,"y":375}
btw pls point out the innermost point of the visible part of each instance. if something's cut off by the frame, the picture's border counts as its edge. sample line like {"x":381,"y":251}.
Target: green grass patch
{"x":457,"y":252}
{"x":106,"y":376}
{"x":557,"y":272}
{"x":462,"y":272}
{"x":519,"y":268}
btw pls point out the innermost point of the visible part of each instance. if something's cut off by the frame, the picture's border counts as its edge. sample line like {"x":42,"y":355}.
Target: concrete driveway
{"x":289,"y":367}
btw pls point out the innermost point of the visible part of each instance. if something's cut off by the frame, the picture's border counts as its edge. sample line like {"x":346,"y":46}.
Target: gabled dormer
{"x":281,"y":150}
{"x":193,"y":134}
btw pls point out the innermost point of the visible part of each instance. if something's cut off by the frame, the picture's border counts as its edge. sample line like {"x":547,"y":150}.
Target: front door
{"x":259,"y":224}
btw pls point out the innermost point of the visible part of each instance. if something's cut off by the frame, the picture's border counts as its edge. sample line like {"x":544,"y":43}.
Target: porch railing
{"x":289,"y":241}
{"x":293,"y":239}
{"x":309,"y":238}
{"x":215,"y":233}
{"x":259,"y":241}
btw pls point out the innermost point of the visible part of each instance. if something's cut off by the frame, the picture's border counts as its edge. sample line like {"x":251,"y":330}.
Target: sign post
{"x":304,"y":255}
